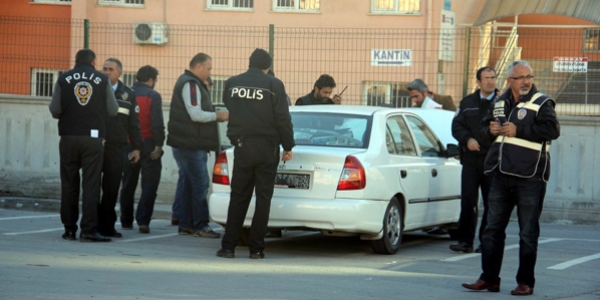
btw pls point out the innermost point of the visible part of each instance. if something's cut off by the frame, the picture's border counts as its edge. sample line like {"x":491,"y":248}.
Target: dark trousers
{"x":254,"y":169}
{"x":527,"y":195}
{"x":85,"y":153}
{"x":112,"y":172}
{"x":151,"y":171}
{"x":473,"y":180}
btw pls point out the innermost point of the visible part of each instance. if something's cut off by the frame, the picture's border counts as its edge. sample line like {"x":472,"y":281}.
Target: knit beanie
{"x":260,"y":59}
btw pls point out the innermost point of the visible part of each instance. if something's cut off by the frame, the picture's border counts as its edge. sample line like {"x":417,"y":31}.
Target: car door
{"x":443,"y":175}
{"x":411,"y":171}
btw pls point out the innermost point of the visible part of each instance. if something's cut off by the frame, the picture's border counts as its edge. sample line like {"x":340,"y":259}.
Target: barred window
{"x":396,"y":6}
{"x":128,"y":78}
{"x":51,"y":1}
{"x":394,"y":94}
{"x":297,"y":5}
{"x":122,"y":2}
{"x":216,"y":90}
{"x":590,"y":40}
{"x":43,"y":80}
{"x":230,"y":4}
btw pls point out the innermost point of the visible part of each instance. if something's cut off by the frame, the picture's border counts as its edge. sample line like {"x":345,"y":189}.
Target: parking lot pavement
{"x":35,"y":263}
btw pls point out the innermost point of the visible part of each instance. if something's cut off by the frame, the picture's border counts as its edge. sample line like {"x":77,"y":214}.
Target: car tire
{"x":392,"y":230}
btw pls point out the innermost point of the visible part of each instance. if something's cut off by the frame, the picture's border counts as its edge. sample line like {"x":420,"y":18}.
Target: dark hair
{"x":146,"y":73}
{"x":325,"y":81}
{"x":418,"y":85}
{"x":85,"y":56}
{"x":484,"y":69}
{"x":199,"y":58}
{"x":116,"y":61}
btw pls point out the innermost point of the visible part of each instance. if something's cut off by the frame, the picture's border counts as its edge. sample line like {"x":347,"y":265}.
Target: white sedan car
{"x":370,"y":171}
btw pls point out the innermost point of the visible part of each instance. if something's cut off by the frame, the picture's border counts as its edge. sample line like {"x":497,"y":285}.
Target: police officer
{"x":522,"y":124}
{"x":466,"y":127}
{"x":259,"y":121}
{"x":82,"y":101}
{"x":119,"y":130}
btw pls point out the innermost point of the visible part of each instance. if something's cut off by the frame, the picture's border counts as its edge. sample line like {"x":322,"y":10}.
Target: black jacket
{"x":258,"y":108}
{"x":524,"y":155}
{"x":309,"y":99}
{"x":125,"y":126}
{"x":468,"y":121}
{"x":184,"y":132}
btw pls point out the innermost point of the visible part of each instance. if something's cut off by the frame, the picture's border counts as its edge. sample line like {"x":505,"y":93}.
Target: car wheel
{"x":392,"y":230}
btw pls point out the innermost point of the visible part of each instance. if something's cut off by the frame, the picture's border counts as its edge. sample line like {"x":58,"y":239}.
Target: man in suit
{"x":420,"y":93}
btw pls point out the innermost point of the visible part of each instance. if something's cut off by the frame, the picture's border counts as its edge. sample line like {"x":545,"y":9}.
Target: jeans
{"x":176,"y":208}
{"x":527,"y":195}
{"x":192,"y":188}
{"x":151,"y":172}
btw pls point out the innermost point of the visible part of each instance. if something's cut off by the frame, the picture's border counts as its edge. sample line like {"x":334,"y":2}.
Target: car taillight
{"x":353,"y":175}
{"x":220,"y":170}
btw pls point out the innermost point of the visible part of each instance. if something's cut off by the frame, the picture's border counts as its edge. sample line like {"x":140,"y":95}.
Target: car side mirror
{"x":452,"y":150}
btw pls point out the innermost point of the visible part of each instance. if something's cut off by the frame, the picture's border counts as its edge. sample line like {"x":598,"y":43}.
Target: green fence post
{"x":467,"y":61}
{"x":271,"y":44}
{"x":86,"y":34}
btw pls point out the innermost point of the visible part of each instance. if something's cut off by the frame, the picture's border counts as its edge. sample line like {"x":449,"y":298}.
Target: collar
{"x":115,"y":86}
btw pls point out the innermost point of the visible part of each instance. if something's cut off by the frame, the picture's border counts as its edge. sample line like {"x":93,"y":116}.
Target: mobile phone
{"x":343,"y":91}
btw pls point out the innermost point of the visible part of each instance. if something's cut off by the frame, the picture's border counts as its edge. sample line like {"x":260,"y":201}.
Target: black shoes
{"x":113,"y":234}
{"x":257,"y":255}
{"x":126,"y":227}
{"x":226,"y":253}
{"x":69,"y":236}
{"x":95,"y":237}
{"x":144,"y":228}
{"x":207,"y":232}
{"x":461,"y":247}
{"x":185,"y":231}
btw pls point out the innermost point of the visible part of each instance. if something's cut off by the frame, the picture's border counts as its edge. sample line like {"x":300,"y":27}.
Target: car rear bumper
{"x":346,"y":215}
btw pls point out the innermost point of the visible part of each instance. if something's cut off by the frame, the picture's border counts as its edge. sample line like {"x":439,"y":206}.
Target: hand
{"x":287,"y":155}
{"x":508,"y":129}
{"x":337,"y":99}
{"x":473,"y":145}
{"x":157,"y":153}
{"x":222,"y":116}
{"x":495,"y":127}
{"x":134,"y":157}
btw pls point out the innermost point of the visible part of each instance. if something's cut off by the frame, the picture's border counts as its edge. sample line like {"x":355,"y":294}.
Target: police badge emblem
{"x":83,"y":91}
{"x":124,"y":96}
{"x":522,"y":113}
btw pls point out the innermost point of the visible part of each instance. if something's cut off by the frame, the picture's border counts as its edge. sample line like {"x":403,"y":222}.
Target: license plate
{"x":292,"y":181}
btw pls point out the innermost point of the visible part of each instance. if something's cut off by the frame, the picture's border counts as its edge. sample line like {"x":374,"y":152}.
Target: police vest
{"x":516,"y":156}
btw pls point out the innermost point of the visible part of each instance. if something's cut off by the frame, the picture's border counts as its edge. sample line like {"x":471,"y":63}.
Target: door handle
{"x":403,"y":173}
{"x":433,"y":172}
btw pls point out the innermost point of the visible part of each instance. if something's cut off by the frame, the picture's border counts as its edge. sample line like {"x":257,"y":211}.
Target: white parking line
{"x":33,"y":232}
{"x":573,"y":262}
{"x":510,"y":247}
{"x":146,"y":238}
{"x":29,"y":217}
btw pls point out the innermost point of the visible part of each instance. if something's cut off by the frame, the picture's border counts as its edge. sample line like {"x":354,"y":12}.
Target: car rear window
{"x":331,"y":130}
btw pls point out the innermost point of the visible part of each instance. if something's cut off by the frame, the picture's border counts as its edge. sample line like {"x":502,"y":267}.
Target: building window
{"x":122,"y":2}
{"x":43,"y":80}
{"x":297,"y":5}
{"x":216,"y":90}
{"x":387,"y":94}
{"x":51,"y":1}
{"x":128,"y":78}
{"x":230,"y":4}
{"x":590,"y":40}
{"x":396,"y":6}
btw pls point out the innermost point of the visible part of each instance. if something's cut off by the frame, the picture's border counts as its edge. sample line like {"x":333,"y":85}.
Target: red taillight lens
{"x":220,"y":170}
{"x":353,"y":175}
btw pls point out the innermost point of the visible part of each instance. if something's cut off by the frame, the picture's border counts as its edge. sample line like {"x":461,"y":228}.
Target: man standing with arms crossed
{"x":153,"y":135}
{"x":260,"y":122}
{"x":192,"y":134}
{"x":522,"y":124}
{"x":82,"y":101}
{"x":466,"y":128}
{"x":125,"y":126}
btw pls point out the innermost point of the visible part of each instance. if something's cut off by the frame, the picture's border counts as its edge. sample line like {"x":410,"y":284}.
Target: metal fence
{"x":375,"y":64}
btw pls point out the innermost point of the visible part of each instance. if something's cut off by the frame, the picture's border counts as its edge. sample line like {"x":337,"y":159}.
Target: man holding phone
{"x":321,"y":92}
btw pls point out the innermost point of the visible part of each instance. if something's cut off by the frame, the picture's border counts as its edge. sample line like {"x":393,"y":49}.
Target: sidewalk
{"x":161,"y":211}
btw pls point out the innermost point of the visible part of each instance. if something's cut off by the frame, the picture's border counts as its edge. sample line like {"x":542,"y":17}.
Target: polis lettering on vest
{"x":247,"y":93}
{"x":78,"y":76}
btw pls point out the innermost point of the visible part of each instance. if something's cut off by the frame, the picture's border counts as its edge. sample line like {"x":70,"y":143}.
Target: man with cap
{"x":259,"y":123}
